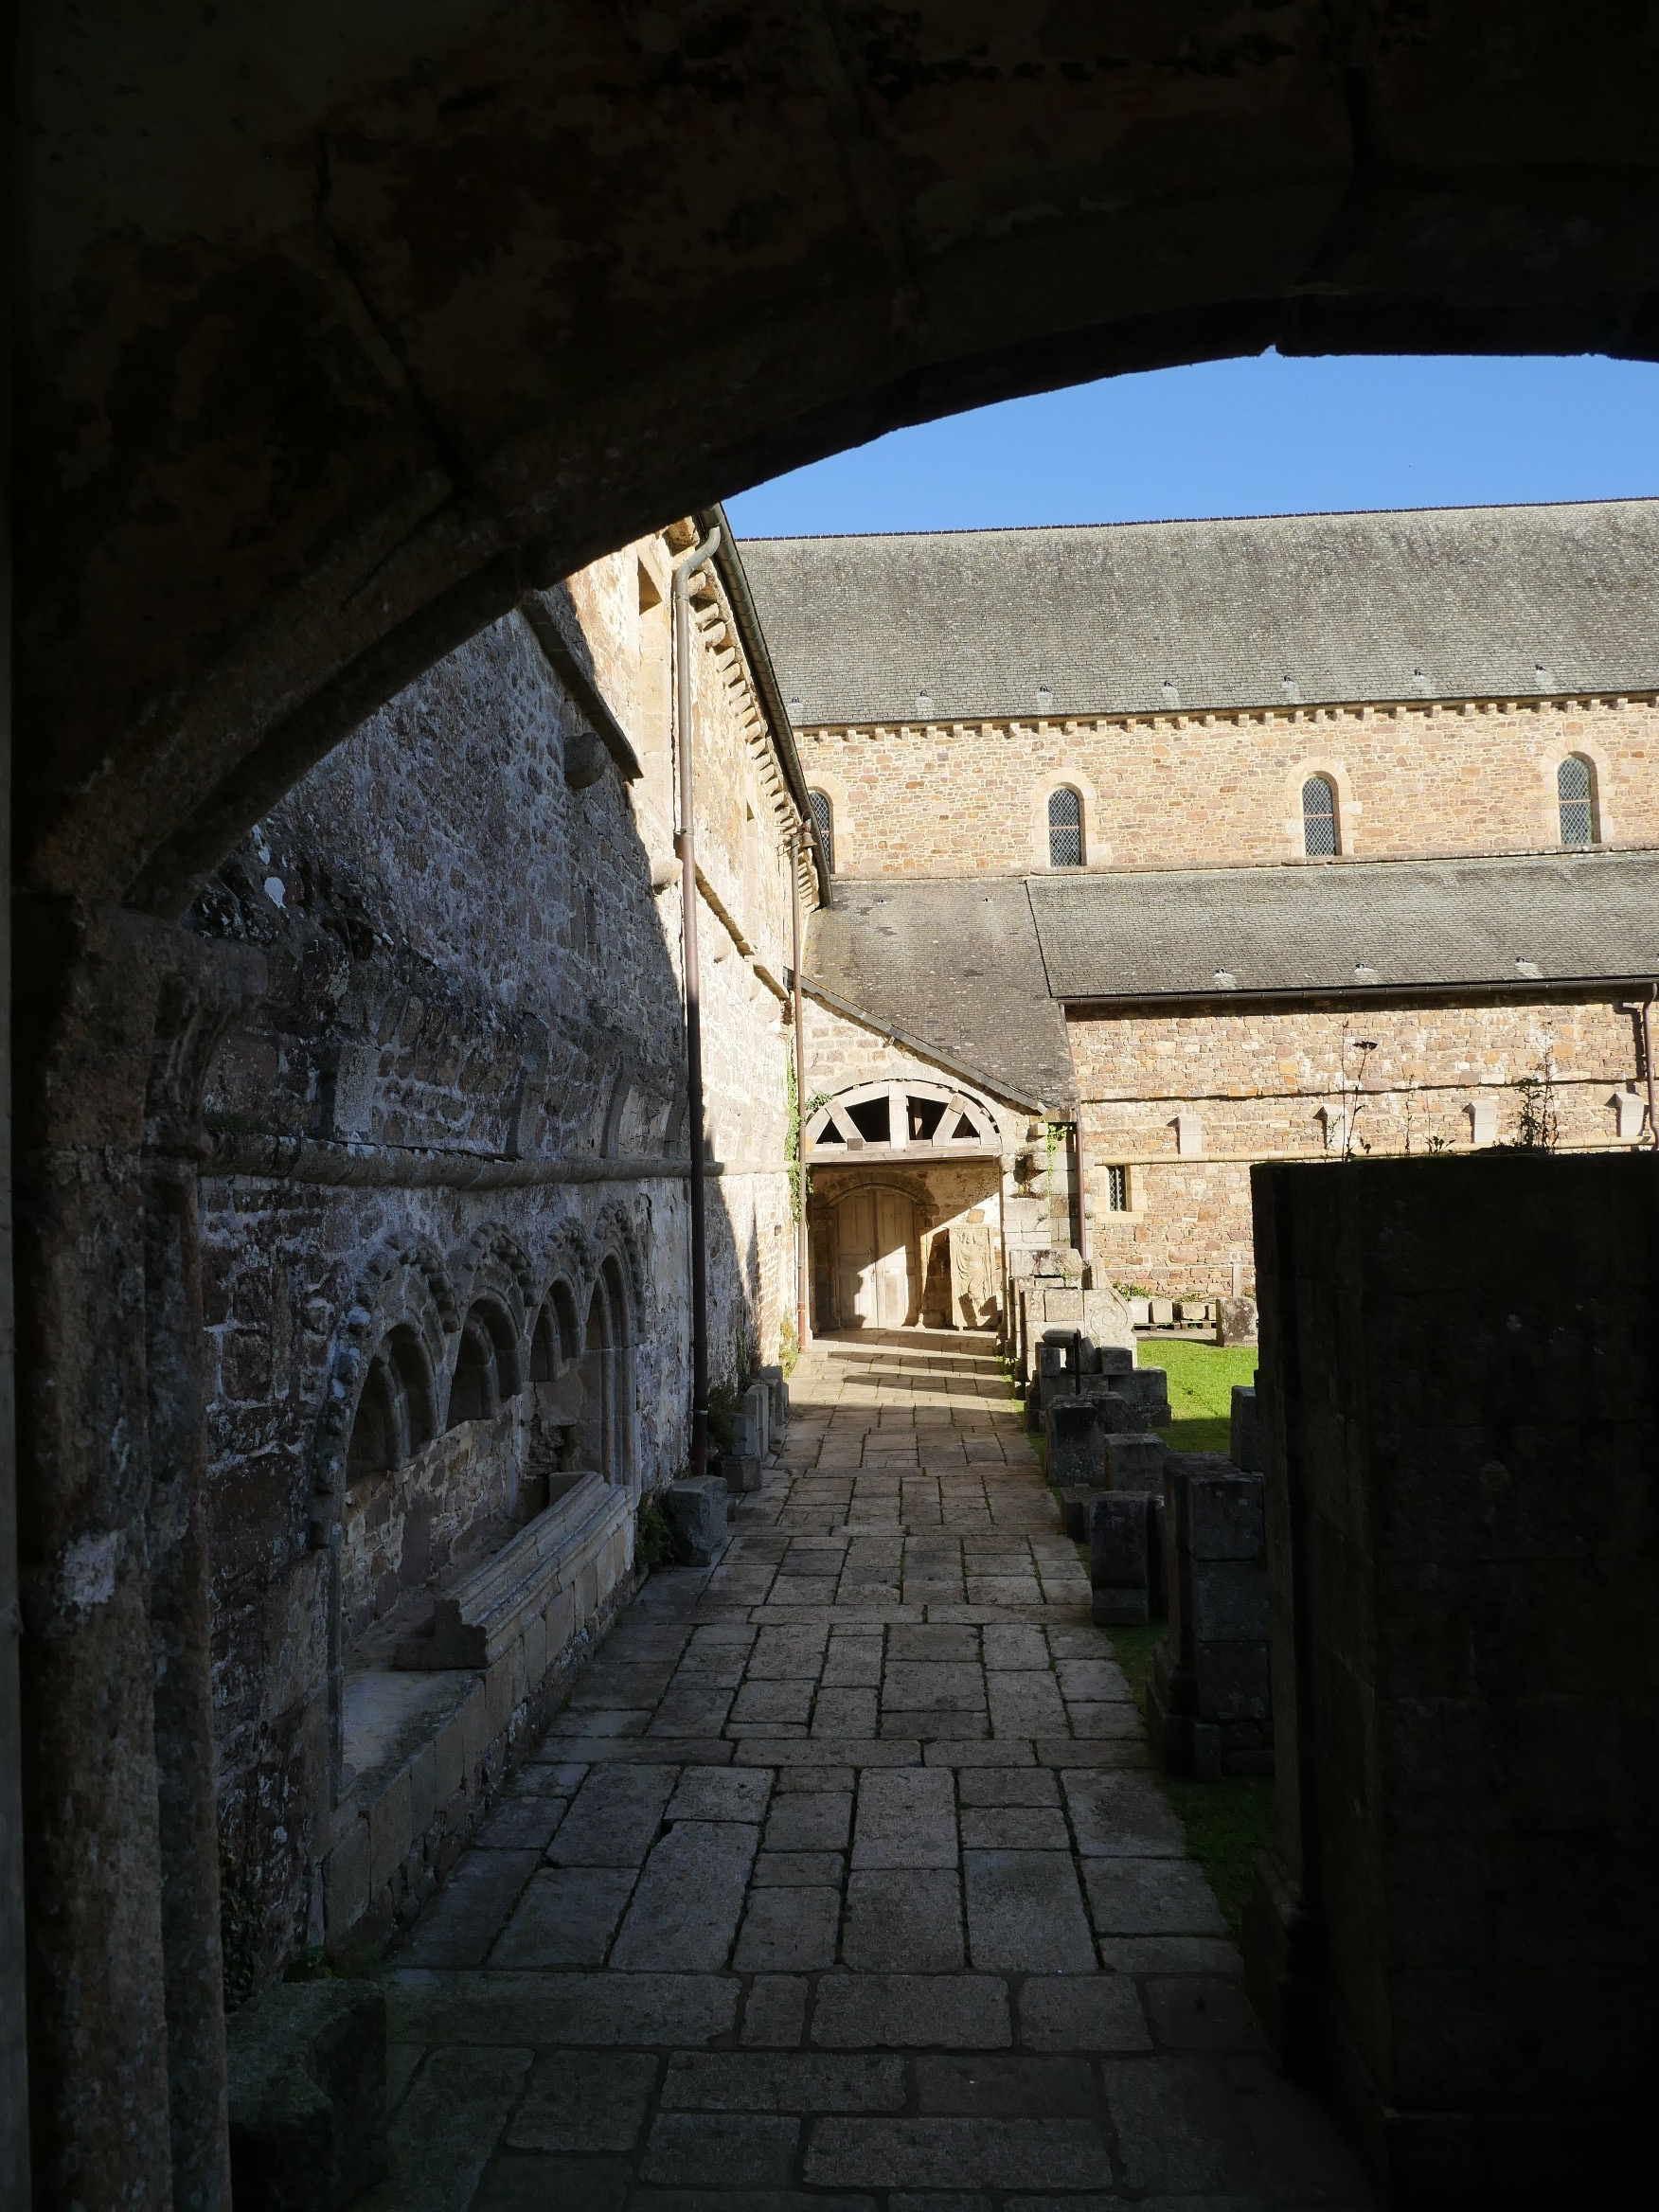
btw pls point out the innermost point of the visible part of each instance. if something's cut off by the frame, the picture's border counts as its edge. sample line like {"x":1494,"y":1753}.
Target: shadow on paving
{"x":842,"y":1881}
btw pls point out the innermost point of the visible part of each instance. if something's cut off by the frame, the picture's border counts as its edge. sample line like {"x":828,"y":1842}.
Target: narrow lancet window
{"x":1065,"y":830}
{"x":1319,"y":818}
{"x":1575,"y":790}
{"x":824,"y":815}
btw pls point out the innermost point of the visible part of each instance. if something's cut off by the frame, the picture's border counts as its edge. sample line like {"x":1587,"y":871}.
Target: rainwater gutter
{"x":689,"y":565}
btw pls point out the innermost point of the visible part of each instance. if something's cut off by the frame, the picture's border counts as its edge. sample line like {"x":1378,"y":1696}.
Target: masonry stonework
{"x":447,"y":1196}
{"x":1323,"y":1083}
{"x":1424,"y":779}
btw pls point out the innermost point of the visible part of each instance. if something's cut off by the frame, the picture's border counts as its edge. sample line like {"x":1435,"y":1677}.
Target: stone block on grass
{"x":1118,"y":1558}
{"x":1075,"y":1443}
{"x":1076,"y":1502}
{"x":1244,"y":1437}
{"x":1236,"y":1321}
{"x":1134,"y":1461}
{"x":1145,"y":1392}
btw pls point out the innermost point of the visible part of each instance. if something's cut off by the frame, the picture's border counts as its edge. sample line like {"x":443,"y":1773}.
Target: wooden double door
{"x":874,"y":1241}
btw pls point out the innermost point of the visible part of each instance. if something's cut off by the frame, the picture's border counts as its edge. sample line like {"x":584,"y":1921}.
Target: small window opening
{"x":1117,"y":1190}
{"x":487,"y":1364}
{"x":872,"y":1120}
{"x":925,"y":1116}
{"x":1319,"y":817}
{"x":1575,"y":790}
{"x":964,"y":1129}
{"x":555,"y":1339}
{"x":472,"y":1394}
{"x":544,"y":1361}
{"x":824,"y":816}
{"x":1065,"y":830}
{"x":375,"y":1433}
{"x":831,"y":1135}
{"x":394,"y":1414}
{"x":415,"y":1385}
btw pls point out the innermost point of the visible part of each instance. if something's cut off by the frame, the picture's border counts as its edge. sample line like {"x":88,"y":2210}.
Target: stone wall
{"x":1177,"y":790}
{"x":463,"y":1094}
{"x":1185,"y":1102}
{"x":1454,"y":1930}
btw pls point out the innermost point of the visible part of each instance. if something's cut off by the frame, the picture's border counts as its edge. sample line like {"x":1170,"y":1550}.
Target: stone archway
{"x":328,"y":360}
{"x":382,"y":339}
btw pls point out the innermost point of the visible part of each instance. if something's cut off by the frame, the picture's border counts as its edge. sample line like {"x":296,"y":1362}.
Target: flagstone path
{"x":842,"y":1883}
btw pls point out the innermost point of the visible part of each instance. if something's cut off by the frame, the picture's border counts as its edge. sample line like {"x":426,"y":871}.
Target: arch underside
{"x":439,"y":311}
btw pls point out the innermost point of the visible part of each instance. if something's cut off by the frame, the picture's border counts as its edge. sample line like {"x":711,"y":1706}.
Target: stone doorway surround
{"x":843,"y":1879}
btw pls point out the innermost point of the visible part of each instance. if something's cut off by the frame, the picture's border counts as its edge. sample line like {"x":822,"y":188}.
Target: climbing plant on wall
{"x":800,"y":1182}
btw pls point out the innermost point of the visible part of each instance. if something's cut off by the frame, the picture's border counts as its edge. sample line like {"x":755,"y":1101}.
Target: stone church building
{"x":1161,"y":849}
{"x":1109,"y":860}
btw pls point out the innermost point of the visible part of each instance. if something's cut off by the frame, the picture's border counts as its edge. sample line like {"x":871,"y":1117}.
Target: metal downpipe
{"x":685,"y":569}
{"x":800,"y":1074}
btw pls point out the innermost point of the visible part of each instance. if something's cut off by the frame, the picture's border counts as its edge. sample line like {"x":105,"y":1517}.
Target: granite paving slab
{"x":843,"y":1880}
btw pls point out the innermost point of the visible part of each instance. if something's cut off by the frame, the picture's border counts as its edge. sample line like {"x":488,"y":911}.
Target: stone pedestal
{"x":1244,"y":1446}
{"x":1457,"y":1930}
{"x":696,"y":1512}
{"x":1236,"y":1321}
{"x":1209,"y":1708}
{"x":1118,"y":1559}
{"x":776,"y":1384}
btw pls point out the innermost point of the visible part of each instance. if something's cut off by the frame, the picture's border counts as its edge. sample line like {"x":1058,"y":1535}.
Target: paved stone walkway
{"x":841,"y":1882}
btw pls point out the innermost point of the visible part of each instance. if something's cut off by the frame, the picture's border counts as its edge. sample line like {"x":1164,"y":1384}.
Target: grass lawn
{"x":1200,"y":1387}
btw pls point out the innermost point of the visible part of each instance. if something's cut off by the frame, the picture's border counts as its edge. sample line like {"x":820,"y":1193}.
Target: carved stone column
{"x":118,"y":1016}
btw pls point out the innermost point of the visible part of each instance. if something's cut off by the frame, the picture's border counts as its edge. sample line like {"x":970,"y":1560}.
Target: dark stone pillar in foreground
{"x":117,"y":1018}
{"x":1456,"y":1930}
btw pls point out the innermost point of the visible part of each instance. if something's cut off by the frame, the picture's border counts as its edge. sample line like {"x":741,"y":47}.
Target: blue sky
{"x":1268,"y":436}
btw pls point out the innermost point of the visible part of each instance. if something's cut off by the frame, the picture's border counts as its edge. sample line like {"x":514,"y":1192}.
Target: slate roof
{"x":954,"y":966}
{"x":1132,"y":617}
{"x":1350,"y":929}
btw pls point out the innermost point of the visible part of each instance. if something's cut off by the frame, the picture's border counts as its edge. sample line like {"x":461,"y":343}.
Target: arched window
{"x":824,"y":815}
{"x":556,"y":1391}
{"x":485,"y":1365}
{"x":377,"y":1443}
{"x":394,"y":1417}
{"x":1575,"y":790}
{"x":619,"y":1397}
{"x":598,"y":1428}
{"x":554,"y":1343}
{"x":1319,"y":817}
{"x":1065,"y":830}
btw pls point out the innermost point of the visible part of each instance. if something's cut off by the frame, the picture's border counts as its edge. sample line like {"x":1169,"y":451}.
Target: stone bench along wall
{"x":539,"y":1607}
